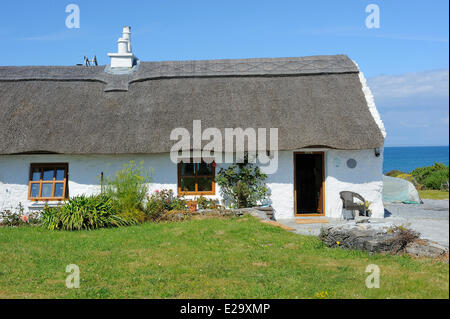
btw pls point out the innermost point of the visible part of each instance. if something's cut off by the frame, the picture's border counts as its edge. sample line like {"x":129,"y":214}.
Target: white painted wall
{"x":364,"y":179}
{"x":84,"y":171}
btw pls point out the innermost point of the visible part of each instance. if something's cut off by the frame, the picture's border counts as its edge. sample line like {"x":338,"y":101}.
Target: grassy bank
{"x":211,"y":258}
{"x":433,"y":194}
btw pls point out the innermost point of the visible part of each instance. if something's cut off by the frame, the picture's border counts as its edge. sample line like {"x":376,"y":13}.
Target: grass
{"x":433,"y":194}
{"x":210,"y":258}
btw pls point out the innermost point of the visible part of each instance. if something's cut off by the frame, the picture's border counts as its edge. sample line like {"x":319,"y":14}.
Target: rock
{"x":261,"y":214}
{"x":217,"y":212}
{"x":373,"y":238}
{"x":425,"y":248}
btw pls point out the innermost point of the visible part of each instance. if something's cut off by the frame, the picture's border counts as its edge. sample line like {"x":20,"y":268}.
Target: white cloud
{"x":427,"y":84}
{"x":413,"y":107}
{"x":414,"y":125}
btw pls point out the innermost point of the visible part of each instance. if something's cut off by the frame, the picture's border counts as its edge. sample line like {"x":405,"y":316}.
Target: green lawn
{"x":210,"y":258}
{"x":433,"y":194}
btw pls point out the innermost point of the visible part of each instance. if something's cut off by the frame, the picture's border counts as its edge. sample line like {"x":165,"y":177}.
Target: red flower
{"x":157,"y":191}
{"x":214,"y":164}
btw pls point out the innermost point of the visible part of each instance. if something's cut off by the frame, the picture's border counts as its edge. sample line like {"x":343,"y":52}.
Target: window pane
{"x":59,"y":189}
{"x":187,"y":169}
{"x":48,"y":174}
{"x":204,"y":184}
{"x":205,"y":169}
{"x":36,"y":176}
{"x":187,"y":184}
{"x":34,"y":190}
{"x":60,"y":174}
{"x":47,"y":190}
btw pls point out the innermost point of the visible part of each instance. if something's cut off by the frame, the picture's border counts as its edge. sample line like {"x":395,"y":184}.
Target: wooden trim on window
{"x":41,"y":182}
{"x":196,"y":177}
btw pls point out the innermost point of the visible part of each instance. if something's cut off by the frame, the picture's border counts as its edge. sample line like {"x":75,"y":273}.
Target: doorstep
{"x":311,"y":221}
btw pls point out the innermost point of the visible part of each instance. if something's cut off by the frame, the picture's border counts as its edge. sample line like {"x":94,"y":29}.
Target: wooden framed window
{"x":196,"y":178}
{"x":48,"y":182}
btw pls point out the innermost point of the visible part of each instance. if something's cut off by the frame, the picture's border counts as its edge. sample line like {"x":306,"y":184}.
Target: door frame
{"x":295,"y":183}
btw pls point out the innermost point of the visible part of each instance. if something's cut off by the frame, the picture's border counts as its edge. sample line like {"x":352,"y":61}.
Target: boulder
{"x":425,"y":248}
{"x":371,"y":237}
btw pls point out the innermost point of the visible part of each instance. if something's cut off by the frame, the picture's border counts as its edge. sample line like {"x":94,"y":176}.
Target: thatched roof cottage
{"x":77,"y":122}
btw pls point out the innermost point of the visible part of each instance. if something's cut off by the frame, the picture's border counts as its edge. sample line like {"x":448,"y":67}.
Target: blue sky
{"x":405,"y":60}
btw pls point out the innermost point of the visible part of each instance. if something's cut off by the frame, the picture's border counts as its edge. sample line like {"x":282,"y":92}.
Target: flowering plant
{"x":17,"y":217}
{"x":163,"y":200}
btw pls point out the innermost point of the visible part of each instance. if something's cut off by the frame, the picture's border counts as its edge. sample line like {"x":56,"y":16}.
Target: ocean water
{"x":407,"y":159}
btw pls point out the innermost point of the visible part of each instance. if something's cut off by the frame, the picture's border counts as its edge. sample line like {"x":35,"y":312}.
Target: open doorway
{"x":309,"y":182}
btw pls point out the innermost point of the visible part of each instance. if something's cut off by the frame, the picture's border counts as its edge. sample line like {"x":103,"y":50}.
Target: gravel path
{"x":430,"y":219}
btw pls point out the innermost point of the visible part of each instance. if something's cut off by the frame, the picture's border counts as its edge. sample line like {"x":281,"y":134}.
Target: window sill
{"x":196,"y":193}
{"x":39,"y":205}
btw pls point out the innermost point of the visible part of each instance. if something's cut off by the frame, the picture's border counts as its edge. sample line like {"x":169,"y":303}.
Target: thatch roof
{"x":90,"y":110}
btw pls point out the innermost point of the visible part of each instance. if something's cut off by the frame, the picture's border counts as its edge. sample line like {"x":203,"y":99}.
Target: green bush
{"x":84,"y":212}
{"x":432,"y":177}
{"x":163,"y":201}
{"x":206,"y":203}
{"x":121,"y":203}
{"x":242,"y":184}
{"x":128,"y":189}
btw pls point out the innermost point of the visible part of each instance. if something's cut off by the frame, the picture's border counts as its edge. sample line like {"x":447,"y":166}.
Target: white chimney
{"x":124,"y":58}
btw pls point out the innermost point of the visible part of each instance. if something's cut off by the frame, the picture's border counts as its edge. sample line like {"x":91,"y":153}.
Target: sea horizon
{"x":408,"y":158}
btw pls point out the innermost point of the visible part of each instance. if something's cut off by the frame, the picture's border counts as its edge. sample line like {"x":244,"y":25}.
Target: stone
{"x":425,"y":248}
{"x":372,"y":238}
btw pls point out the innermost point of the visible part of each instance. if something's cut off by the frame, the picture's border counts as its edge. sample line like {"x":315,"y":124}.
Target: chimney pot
{"x":124,"y":58}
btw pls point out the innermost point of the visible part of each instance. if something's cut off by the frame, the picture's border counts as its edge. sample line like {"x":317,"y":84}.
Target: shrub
{"x":10,"y":218}
{"x":17,"y":217}
{"x":183,"y":215}
{"x":176,"y":215}
{"x":432,"y":177}
{"x":206,"y":203}
{"x":128,"y":189}
{"x":133,"y":216}
{"x":84,"y":212}
{"x":162,"y":201}
{"x":403,"y":237}
{"x":242,"y":184}
{"x":394,"y":173}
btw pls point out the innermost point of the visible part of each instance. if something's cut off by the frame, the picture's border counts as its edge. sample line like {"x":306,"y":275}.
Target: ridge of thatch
{"x":171,"y":69}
